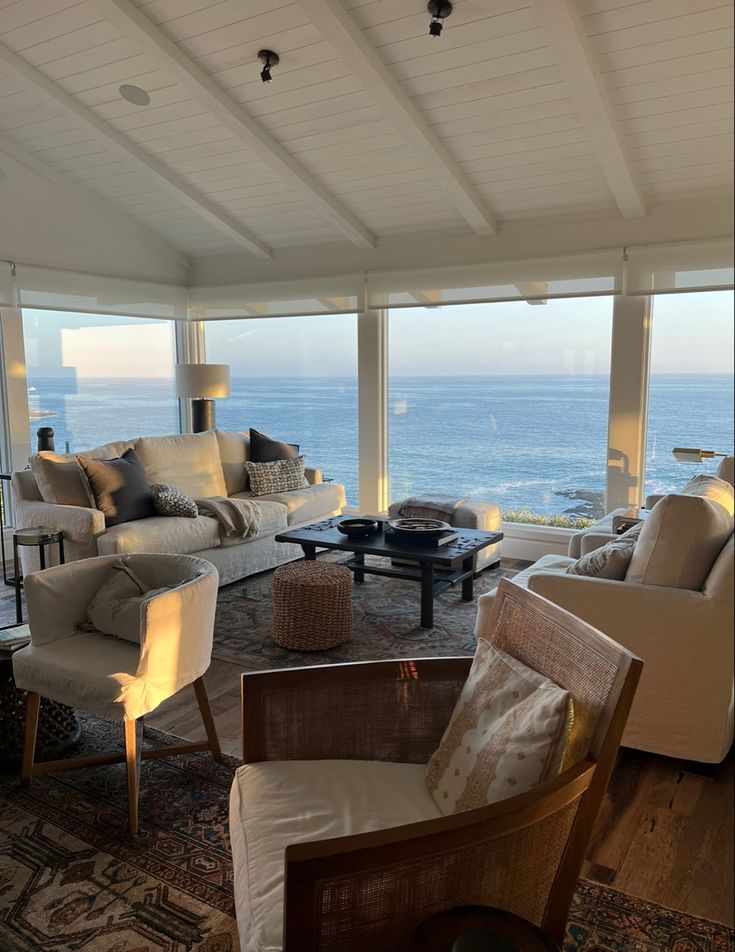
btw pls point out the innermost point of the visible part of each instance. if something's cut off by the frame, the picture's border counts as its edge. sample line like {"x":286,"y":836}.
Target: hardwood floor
{"x":662,"y":834}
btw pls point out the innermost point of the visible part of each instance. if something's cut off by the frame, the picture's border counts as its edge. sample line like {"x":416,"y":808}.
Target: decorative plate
{"x":426,"y":528}
{"x":357,"y":528}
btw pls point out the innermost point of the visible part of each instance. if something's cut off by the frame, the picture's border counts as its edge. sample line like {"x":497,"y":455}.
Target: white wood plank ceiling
{"x":522,"y":111}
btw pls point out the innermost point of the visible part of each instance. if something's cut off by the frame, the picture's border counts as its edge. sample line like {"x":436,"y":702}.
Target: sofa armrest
{"x":652,"y":500}
{"x":313,"y":476}
{"x":593,"y":540}
{"x":80,"y":526}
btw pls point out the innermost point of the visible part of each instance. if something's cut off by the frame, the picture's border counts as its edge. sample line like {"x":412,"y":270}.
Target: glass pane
{"x":294,"y":378}
{"x":690,"y":401}
{"x":506,"y":402}
{"x":94,"y":379}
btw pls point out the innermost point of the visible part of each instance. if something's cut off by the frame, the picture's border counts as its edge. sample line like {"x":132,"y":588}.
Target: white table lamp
{"x":202,"y":383}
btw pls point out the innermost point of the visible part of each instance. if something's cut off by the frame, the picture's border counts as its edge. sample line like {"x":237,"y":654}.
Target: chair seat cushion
{"x":76,"y":671}
{"x":273,"y":805}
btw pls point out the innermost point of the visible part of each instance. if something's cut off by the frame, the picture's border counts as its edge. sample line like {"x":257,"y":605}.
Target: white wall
{"x":59,"y":225}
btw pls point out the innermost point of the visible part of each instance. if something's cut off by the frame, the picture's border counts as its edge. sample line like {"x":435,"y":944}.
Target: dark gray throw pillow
{"x":265,"y":450}
{"x":119,"y":487}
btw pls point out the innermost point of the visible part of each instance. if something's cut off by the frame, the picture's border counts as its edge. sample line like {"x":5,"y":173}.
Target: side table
{"x":479,"y":929}
{"x":40,"y":536}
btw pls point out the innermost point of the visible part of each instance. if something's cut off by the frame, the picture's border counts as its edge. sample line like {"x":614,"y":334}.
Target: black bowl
{"x":357,"y":528}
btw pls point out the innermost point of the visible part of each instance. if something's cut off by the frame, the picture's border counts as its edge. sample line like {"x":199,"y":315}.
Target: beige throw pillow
{"x":679,"y":542}
{"x":711,"y":487}
{"x":508,"y":733}
{"x":115,"y":608}
{"x":610,"y":560}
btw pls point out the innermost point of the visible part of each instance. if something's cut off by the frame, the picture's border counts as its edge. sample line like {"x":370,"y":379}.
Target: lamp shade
{"x":203,"y":380}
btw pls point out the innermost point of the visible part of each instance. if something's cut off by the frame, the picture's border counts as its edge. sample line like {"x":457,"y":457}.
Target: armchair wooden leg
{"x":33,"y":705}
{"x":133,"y":738}
{"x":206,"y":712}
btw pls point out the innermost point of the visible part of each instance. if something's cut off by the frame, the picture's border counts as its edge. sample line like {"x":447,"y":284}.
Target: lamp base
{"x":202,"y":414}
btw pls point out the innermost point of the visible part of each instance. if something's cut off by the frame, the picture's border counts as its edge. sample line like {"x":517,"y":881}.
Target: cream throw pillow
{"x":610,"y":560}
{"x":508,"y":733}
{"x":115,"y":608}
{"x":711,"y":487}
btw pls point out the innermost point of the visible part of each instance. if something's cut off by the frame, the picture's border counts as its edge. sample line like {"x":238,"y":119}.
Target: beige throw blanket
{"x":238,"y":518}
{"x":431,"y":506}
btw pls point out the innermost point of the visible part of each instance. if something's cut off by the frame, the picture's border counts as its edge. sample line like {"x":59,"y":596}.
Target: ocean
{"x":527,"y":442}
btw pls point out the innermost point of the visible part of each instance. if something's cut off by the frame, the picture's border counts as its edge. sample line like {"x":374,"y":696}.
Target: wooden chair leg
{"x":33,"y":705}
{"x":206,"y":712}
{"x":133,"y":738}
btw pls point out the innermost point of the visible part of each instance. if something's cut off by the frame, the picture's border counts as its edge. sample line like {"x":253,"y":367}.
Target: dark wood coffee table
{"x":439,"y":567}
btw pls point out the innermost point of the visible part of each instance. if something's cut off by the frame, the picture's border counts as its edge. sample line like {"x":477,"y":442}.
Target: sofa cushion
{"x":553,"y":564}
{"x":679,"y":542}
{"x":119,"y":487}
{"x":264,"y":449}
{"x":168,"y":534}
{"x":711,"y":487}
{"x":726,"y":469}
{"x":507,"y":734}
{"x":234,"y":449}
{"x":278,"y":476}
{"x":307,"y":504}
{"x":273,"y":515}
{"x":189,"y":462}
{"x":610,"y":560}
{"x":275,"y":804}
{"x":60,"y":479}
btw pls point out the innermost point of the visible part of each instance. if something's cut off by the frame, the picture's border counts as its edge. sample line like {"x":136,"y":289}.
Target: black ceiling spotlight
{"x":268,"y":58}
{"x":439,"y":10}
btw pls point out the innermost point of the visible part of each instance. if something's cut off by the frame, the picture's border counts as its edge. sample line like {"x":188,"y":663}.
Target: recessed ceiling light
{"x":135,"y":95}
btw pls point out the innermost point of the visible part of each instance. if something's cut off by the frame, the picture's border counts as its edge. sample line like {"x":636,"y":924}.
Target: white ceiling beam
{"x":84,"y":195}
{"x":134,"y":22}
{"x":565,"y":34}
{"x":341,"y":32}
{"x":58,"y":97}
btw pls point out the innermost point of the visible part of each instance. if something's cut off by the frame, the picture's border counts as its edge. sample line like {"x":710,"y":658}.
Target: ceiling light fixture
{"x":134,"y":94}
{"x":439,"y":10}
{"x":268,"y":58}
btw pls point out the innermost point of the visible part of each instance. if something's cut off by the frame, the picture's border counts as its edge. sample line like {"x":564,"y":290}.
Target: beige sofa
{"x":674,"y":609}
{"x":201,"y":465}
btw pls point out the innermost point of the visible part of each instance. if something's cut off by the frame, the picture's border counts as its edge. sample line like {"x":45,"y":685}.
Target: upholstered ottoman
{"x":312,"y":606}
{"x":461,"y":514}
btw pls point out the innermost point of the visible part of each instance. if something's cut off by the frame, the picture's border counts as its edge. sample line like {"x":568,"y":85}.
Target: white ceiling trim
{"x":345,"y":37}
{"x":565,"y":34}
{"x":87,"y":197}
{"x":56,"y":96}
{"x":139,"y":27}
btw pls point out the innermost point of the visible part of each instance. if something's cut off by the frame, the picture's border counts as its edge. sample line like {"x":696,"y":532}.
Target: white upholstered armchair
{"x":71,"y":662}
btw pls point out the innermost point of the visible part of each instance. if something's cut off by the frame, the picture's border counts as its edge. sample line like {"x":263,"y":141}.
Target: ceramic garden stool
{"x":468,"y":514}
{"x":312,"y":606}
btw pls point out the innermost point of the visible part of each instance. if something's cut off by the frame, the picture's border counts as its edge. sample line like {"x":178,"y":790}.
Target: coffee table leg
{"x":359,"y":558}
{"x":427,"y":595}
{"x":468,"y":592}
{"x":309,"y":551}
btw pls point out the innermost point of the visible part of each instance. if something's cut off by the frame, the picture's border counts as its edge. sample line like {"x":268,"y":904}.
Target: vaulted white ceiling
{"x":523,"y":111}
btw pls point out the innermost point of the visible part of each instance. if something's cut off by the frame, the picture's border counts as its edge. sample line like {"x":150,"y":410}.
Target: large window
{"x":94,"y":379}
{"x":506,"y":402}
{"x":691,"y":390}
{"x":294,"y":378}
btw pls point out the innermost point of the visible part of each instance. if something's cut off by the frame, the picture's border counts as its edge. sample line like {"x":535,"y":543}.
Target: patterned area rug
{"x":72,"y":880}
{"x":385,"y":622}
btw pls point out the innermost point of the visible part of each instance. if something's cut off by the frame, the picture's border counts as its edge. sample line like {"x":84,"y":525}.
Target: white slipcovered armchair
{"x":108,"y":675}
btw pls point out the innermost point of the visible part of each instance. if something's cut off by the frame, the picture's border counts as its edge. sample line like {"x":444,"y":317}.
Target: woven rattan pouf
{"x":312,"y":606}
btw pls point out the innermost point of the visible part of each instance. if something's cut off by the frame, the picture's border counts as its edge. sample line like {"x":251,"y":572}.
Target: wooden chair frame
{"x":132,"y":757}
{"x":398,"y":686}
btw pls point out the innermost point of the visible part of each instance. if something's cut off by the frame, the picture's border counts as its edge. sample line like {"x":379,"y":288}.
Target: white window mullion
{"x":372,"y":363}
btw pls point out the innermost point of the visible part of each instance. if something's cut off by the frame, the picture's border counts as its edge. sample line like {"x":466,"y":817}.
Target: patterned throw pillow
{"x":610,"y":560}
{"x":279,"y":476}
{"x":508,"y":733}
{"x":170,"y":501}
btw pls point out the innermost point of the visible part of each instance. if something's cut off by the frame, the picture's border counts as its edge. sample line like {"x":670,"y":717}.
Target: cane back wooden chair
{"x":370,"y":890}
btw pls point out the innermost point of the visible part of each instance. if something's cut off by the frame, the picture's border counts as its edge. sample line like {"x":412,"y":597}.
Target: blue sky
{"x":692,"y":333}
